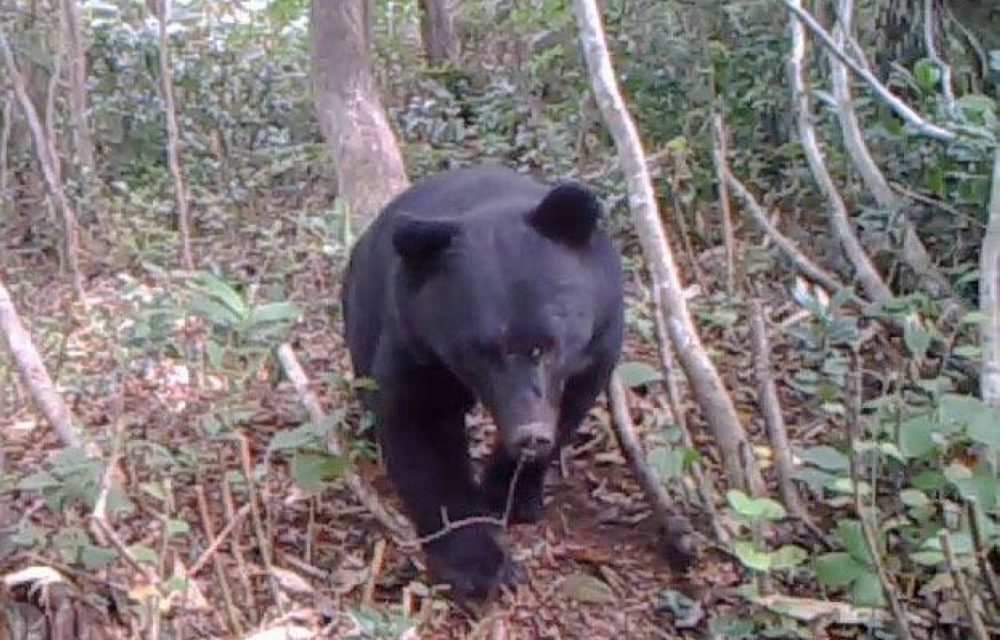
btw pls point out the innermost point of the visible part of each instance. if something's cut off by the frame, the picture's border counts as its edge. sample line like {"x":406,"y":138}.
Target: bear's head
{"x":507,"y":300}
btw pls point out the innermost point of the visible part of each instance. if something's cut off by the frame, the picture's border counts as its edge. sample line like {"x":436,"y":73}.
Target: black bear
{"x":481,"y":284}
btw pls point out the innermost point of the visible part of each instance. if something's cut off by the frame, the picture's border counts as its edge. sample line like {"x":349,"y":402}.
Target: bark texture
{"x":707,"y":386}
{"x":437,"y":30}
{"x":367,"y":161}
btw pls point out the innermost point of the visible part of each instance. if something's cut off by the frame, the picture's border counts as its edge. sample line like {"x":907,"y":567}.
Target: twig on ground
{"x":901,"y":108}
{"x":982,"y":549}
{"x":220,"y":572}
{"x":392,"y":520}
{"x":802,"y":262}
{"x":770,"y":408}
{"x":237,"y":551}
{"x":964,"y":593}
{"x":374,"y":571}
{"x":263,"y":541}
{"x":867,"y":529}
{"x":112,"y":473}
{"x":675,"y":528}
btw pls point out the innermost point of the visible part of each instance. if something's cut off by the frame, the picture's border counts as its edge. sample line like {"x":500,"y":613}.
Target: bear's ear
{"x":569,"y":214}
{"x":417,"y":240}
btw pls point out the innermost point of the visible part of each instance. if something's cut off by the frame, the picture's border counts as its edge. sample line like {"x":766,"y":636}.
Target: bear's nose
{"x":532,"y":440}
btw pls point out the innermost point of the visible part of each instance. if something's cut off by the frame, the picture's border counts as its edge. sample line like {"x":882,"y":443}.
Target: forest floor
{"x":310,"y":564}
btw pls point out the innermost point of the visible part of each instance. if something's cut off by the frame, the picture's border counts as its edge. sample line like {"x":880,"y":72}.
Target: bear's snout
{"x":532,"y":440}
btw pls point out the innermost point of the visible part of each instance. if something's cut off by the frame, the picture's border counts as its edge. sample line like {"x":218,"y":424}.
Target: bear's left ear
{"x":569,"y":214}
{"x":417,"y":240}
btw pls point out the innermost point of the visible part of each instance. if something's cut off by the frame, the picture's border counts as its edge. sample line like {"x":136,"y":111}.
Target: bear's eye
{"x":535,"y":354}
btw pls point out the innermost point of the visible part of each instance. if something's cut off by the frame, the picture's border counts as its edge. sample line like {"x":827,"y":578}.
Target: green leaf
{"x":223,"y":293}
{"x":177,"y":527}
{"x":143,"y":554}
{"x":297,"y":438}
{"x":215,"y":312}
{"x":311,"y":471}
{"x":927,"y":558}
{"x":927,"y":74}
{"x":968,"y":351}
{"x":838,"y":569}
{"x":38,"y":481}
{"x":750,"y":556}
{"x":788,"y":557}
{"x":914,"y":498}
{"x":755,"y":509}
{"x":97,"y":557}
{"x":824,"y":457}
{"x":929,"y":480}
{"x":667,"y":463}
{"x":915,"y":437}
{"x":867,"y":590}
{"x":638,"y":374}
{"x":917,"y":339}
{"x":853,"y":538}
{"x":274,"y":312}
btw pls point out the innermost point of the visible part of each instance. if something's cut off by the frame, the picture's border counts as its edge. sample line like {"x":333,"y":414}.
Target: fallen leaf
{"x":585,"y":588}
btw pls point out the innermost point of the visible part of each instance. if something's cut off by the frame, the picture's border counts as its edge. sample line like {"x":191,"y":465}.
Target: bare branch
{"x":932,"y":53}
{"x":708,"y":388}
{"x":392,"y":520}
{"x":673,"y":527}
{"x":979,"y":631}
{"x":989,"y":295}
{"x":719,"y":155}
{"x":36,"y":378}
{"x":801,"y":261}
{"x":770,"y":408}
{"x":173,"y":135}
{"x":49,"y":161}
{"x":866,"y":272}
{"x":914,"y":253}
{"x":901,"y":108}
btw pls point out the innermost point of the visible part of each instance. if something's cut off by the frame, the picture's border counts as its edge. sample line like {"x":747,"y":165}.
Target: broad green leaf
{"x":750,"y":556}
{"x":929,"y":480}
{"x":915,"y":437}
{"x":143,"y":554}
{"x":38,"y":481}
{"x":97,"y":557}
{"x":585,"y":588}
{"x":852,"y":537}
{"x":755,"y":509}
{"x":274,"y":312}
{"x":867,"y":590}
{"x":838,"y":569}
{"x":223,"y":293}
{"x":638,"y":374}
{"x":788,"y":557}
{"x":914,"y":498}
{"x":927,"y":558}
{"x":824,"y":457}
{"x":311,"y":471}
{"x":177,"y":527}
{"x":917,"y":339}
{"x":927,"y":74}
{"x":215,"y":312}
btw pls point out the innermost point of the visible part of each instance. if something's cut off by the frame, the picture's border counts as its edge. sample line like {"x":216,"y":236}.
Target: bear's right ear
{"x":417,"y":240}
{"x":568,"y":214}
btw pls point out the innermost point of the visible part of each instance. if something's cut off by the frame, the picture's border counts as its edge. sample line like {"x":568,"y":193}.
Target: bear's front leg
{"x":515,"y":493}
{"x":428,"y":460}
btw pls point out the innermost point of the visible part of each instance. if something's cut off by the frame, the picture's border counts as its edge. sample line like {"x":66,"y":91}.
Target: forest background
{"x":803,"y":439}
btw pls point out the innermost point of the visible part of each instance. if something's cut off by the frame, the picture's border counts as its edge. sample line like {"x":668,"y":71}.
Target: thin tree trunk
{"x":32,"y":370}
{"x":173,"y":135}
{"x":48,"y":161}
{"x":368,"y":162}
{"x":989,"y":296}
{"x":865,"y":271}
{"x":437,"y":30}
{"x":77,"y":53}
{"x":707,"y":386}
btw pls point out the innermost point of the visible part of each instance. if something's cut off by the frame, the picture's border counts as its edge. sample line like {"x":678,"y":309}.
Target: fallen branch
{"x":979,"y":631}
{"x":901,"y":108}
{"x":391,"y":519}
{"x":801,"y":261}
{"x":675,"y":529}
{"x":719,"y":155}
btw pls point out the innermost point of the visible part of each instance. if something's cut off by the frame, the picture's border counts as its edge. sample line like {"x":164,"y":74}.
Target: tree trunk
{"x":367,"y":161}
{"x":711,"y":394}
{"x":173,"y":135}
{"x":437,"y":29}
{"x":989,"y":296}
{"x":76,"y":51}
